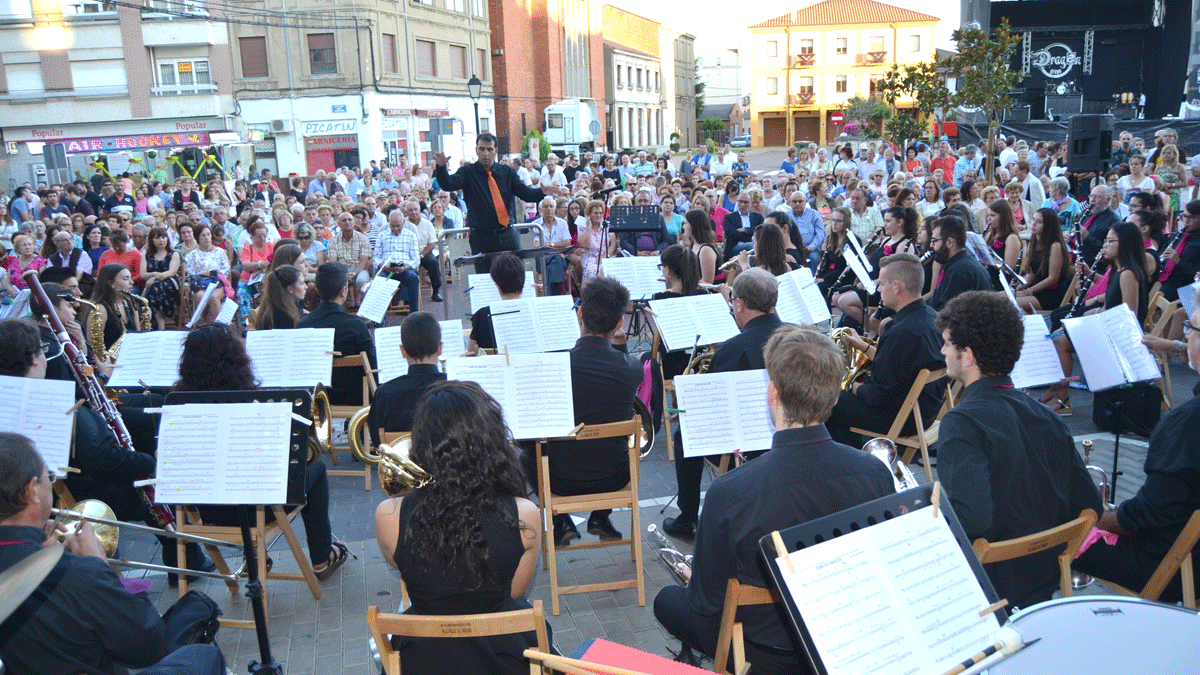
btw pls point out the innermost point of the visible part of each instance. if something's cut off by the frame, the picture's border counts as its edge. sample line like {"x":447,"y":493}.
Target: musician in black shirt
{"x":350,"y":334}
{"x":960,"y":270}
{"x":396,"y":400}
{"x":508,"y":273}
{"x":909,"y":344}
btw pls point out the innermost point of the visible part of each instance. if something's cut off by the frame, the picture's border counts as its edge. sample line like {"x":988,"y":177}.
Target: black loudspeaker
{"x":1090,"y":143}
{"x":1018,"y":113}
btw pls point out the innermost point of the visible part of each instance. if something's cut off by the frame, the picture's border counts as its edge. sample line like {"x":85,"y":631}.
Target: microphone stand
{"x":254,"y":592}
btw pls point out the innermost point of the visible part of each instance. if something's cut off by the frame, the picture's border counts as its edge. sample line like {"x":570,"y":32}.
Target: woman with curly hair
{"x":215,"y":359}
{"x":467,"y":542}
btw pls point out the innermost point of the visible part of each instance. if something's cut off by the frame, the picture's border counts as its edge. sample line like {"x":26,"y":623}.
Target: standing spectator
{"x":21,"y":205}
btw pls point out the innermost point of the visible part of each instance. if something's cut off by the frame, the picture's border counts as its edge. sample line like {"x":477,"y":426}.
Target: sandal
{"x":1064,"y":407}
{"x":341,"y":554}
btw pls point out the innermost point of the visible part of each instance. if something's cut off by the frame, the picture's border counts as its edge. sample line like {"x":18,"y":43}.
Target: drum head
{"x":1105,"y":634}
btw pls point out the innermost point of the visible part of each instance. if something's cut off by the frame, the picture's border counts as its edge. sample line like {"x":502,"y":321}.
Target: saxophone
{"x":144,"y":321}
{"x":95,"y":329}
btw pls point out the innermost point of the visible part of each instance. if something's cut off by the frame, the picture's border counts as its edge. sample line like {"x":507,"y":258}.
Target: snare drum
{"x":1105,"y":634}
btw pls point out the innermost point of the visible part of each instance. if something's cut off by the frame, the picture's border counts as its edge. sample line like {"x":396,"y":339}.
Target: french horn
{"x":858,"y":365}
{"x":397,"y":472}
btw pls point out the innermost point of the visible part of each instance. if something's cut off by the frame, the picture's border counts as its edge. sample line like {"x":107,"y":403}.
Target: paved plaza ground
{"x":329,"y":635}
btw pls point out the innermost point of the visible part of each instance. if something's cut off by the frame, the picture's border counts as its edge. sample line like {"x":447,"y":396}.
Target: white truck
{"x":572,"y":125}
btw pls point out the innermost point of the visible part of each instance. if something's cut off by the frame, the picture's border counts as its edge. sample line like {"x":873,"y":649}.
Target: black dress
{"x":113,"y":329}
{"x":163,"y":294}
{"x":1051,"y":297}
{"x":1112,"y":296}
{"x":438,"y":591}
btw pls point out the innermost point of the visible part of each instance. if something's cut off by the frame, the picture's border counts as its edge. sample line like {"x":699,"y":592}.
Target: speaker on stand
{"x":1089,"y":139}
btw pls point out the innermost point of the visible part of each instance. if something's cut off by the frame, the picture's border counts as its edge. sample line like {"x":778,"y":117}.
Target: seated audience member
{"x":508,"y":273}
{"x":805,"y":475}
{"x":395,"y":401}
{"x":753,"y":294}
{"x":604,"y":381}
{"x":282,"y":298}
{"x":1150,"y":521}
{"x":910,"y":343}
{"x":427,"y":251}
{"x":1008,"y":463}
{"x":80,"y":619}
{"x":350,"y":334}
{"x":960,"y":270}
{"x":467,"y":542}
{"x":396,"y":255}
{"x":107,"y":470}
{"x":121,"y":253}
{"x":215,"y":359}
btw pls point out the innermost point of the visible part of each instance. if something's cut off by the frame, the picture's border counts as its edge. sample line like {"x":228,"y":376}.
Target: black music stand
{"x":643,"y":218}
{"x":845,"y":522}
{"x":301,"y":400}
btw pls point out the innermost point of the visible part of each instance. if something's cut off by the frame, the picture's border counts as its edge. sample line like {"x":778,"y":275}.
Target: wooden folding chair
{"x":730,"y":634}
{"x":540,"y":662}
{"x":383,"y":626}
{"x":925,"y":436}
{"x":261,"y":532}
{"x":552,"y":505}
{"x":1071,"y":533}
{"x":337,"y":412}
{"x":1158,"y":316}
{"x":668,"y":394}
{"x":1177,"y":560}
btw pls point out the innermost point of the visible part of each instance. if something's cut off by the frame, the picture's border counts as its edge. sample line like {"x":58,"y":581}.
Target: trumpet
{"x":884,"y":450}
{"x":106,"y":525}
{"x":1079,"y":579}
{"x":679,"y":564}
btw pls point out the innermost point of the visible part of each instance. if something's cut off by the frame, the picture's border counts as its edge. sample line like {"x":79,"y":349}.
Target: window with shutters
{"x":322,"y":60}
{"x":842,"y":45}
{"x":481,"y":59}
{"x":841,"y":84}
{"x":772,"y":86}
{"x":458,"y":62}
{"x":183,"y":76}
{"x":254,"y":57}
{"x":914,"y":43}
{"x":389,"y":53}
{"x":426,"y":59}
{"x":772,"y":49}
{"x":806,"y":46}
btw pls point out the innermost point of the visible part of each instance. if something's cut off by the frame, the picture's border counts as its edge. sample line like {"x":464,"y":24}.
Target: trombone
{"x":100,"y":514}
{"x":679,"y":564}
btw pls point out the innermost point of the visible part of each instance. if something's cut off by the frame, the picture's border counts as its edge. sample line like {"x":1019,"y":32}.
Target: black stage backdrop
{"x":1189,"y":132}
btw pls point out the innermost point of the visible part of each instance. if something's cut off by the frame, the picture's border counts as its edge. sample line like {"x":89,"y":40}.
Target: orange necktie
{"x":498,"y":201}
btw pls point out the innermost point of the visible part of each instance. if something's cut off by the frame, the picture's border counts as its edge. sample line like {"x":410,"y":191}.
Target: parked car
{"x":742,"y":141}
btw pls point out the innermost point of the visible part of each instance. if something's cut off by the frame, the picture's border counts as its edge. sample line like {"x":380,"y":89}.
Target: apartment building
{"x":112,"y":80}
{"x":806,"y":64}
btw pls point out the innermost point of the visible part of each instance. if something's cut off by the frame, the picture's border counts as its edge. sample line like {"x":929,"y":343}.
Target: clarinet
{"x":926,"y":256}
{"x":1084,"y":285}
{"x":95,"y":395}
{"x":1162,"y":255}
{"x":1004,"y":267}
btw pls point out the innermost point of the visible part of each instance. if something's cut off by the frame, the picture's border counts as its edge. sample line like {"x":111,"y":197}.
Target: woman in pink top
{"x":256,"y":256}
{"x":25,"y":259}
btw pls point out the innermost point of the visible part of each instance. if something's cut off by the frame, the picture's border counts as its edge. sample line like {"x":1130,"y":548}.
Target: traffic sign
{"x":836,"y":117}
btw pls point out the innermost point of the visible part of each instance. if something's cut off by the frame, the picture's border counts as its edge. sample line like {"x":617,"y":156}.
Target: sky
{"x":714,"y":30}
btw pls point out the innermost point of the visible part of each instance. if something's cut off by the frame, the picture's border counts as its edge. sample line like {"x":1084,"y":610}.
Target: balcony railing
{"x":77,"y":92}
{"x":874,"y":58}
{"x":806,"y":98}
{"x":184,"y":90}
{"x":804,"y":60}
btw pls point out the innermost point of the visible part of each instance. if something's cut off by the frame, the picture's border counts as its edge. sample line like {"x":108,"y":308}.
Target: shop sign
{"x":331,"y":141}
{"x":330,"y":127}
{"x":393,"y":123}
{"x":139,"y":142}
{"x":412,"y":112}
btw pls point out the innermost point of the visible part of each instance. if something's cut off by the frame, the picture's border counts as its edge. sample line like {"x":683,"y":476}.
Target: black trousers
{"x":569,"y":488}
{"x":700,"y":633}
{"x":430,"y":263}
{"x":1128,"y":565}
{"x":493,"y":241}
{"x":850,"y":411}
{"x":190,"y":660}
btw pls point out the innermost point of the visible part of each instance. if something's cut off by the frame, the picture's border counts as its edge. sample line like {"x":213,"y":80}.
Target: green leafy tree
{"x":863,"y":116}
{"x":543,"y":146}
{"x":674,"y":141}
{"x":924,"y":83}
{"x":982,"y":73}
{"x":699,"y":93}
{"x":712,"y":127}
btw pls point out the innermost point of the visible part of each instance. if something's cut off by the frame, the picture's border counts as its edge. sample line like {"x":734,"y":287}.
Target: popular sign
{"x":1055,"y":60}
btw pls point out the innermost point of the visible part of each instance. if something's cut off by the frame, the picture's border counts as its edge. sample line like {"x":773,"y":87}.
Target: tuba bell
{"x":858,"y":365}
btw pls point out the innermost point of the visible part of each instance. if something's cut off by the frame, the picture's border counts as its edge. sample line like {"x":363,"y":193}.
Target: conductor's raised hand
{"x":549,"y":188}
{"x":439,"y":159}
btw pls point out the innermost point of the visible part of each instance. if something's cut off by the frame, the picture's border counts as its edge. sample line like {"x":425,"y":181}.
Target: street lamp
{"x":474,"y":88}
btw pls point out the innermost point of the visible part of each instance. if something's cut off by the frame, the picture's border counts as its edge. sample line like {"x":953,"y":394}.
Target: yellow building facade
{"x":806,"y":64}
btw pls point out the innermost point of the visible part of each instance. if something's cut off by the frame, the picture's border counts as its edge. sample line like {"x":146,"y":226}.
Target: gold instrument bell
{"x":94,"y":508}
{"x":858,"y":365}
{"x":397,"y":472}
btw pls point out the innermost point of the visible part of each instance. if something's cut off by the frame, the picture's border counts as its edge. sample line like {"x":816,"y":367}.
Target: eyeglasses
{"x":303,"y":238}
{"x":51,"y":476}
{"x":1187,"y":327}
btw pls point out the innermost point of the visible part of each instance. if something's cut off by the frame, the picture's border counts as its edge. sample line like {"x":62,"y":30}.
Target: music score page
{"x":639,"y":274}
{"x":482,"y":290}
{"x":151,"y":357}
{"x":37,"y":409}
{"x":301,"y":357}
{"x":379,"y":296}
{"x":1039,"y":362}
{"x":895,"y":598}
{"x":680,"y":320}
{"x":724,"y":412}
{"x":224,"y":453}
{"x":532,"y":325}
{"x":800,"y":301}
{"x":1110,"y":349}
{"x":533,"y":390}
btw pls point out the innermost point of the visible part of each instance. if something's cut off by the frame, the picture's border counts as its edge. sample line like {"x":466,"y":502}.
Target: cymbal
{"x":22,"y":579}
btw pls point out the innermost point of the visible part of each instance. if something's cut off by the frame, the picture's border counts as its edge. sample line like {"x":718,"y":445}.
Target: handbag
{"x":193,"y":620}
{"x":1132,"y":407}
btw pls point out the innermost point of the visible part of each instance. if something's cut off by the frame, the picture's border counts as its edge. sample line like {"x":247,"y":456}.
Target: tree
{"x":699,"y":93}
{"x":925,"y":84}
{"x":543,"y":146}
{"x":712,"y":126}
{"x":675,"y":141}
{"x":983,"y":77}
{"x":863,"y":116}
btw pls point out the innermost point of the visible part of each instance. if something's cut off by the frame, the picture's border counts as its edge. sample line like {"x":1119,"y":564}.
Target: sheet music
{"x":1039,"y":362}
{"x":199,"y":311}
{"x":640,"y":274}
{"x":1187,"y":298}
{"x":724,"y":412}
{"x":379,"y":296}
{"x":454,"y":337}
{"x":483,"y":291}
{"x":228,"y":309}
{"x":680,"y":320}
{"x":800,"y":301}
{"x":859,"y":253}
{"x":978,"y":247}
{"x":1110,"y":349}
{"x":534,"y":391}
{"x":37,"y":410}
{"x":532,"y":325}
{"x":19,"y":307}
{"x":151,"y":357}
{"x":301,"y":357}
{"x":224,"y":453}
{"x":1012,"y":297}
{"x":392,"y":363}
{"x":898,"y":597}
{"x":860,"y":271}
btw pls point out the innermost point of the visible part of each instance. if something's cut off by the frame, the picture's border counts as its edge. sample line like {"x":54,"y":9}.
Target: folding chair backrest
{"x":1071,"y":533}
{"x":361,"y":360}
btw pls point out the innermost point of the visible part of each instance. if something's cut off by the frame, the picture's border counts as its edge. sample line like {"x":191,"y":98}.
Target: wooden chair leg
{"x":301,"y":556}
{"x":1187,"y":577}
{"x":214,"y":552}
{"x":553,"y":556}
{"x":636,"y":535}
{"x":181,"y":560}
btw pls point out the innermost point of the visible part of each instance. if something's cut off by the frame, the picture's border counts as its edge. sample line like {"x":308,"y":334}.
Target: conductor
{"x":490,"y":190}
